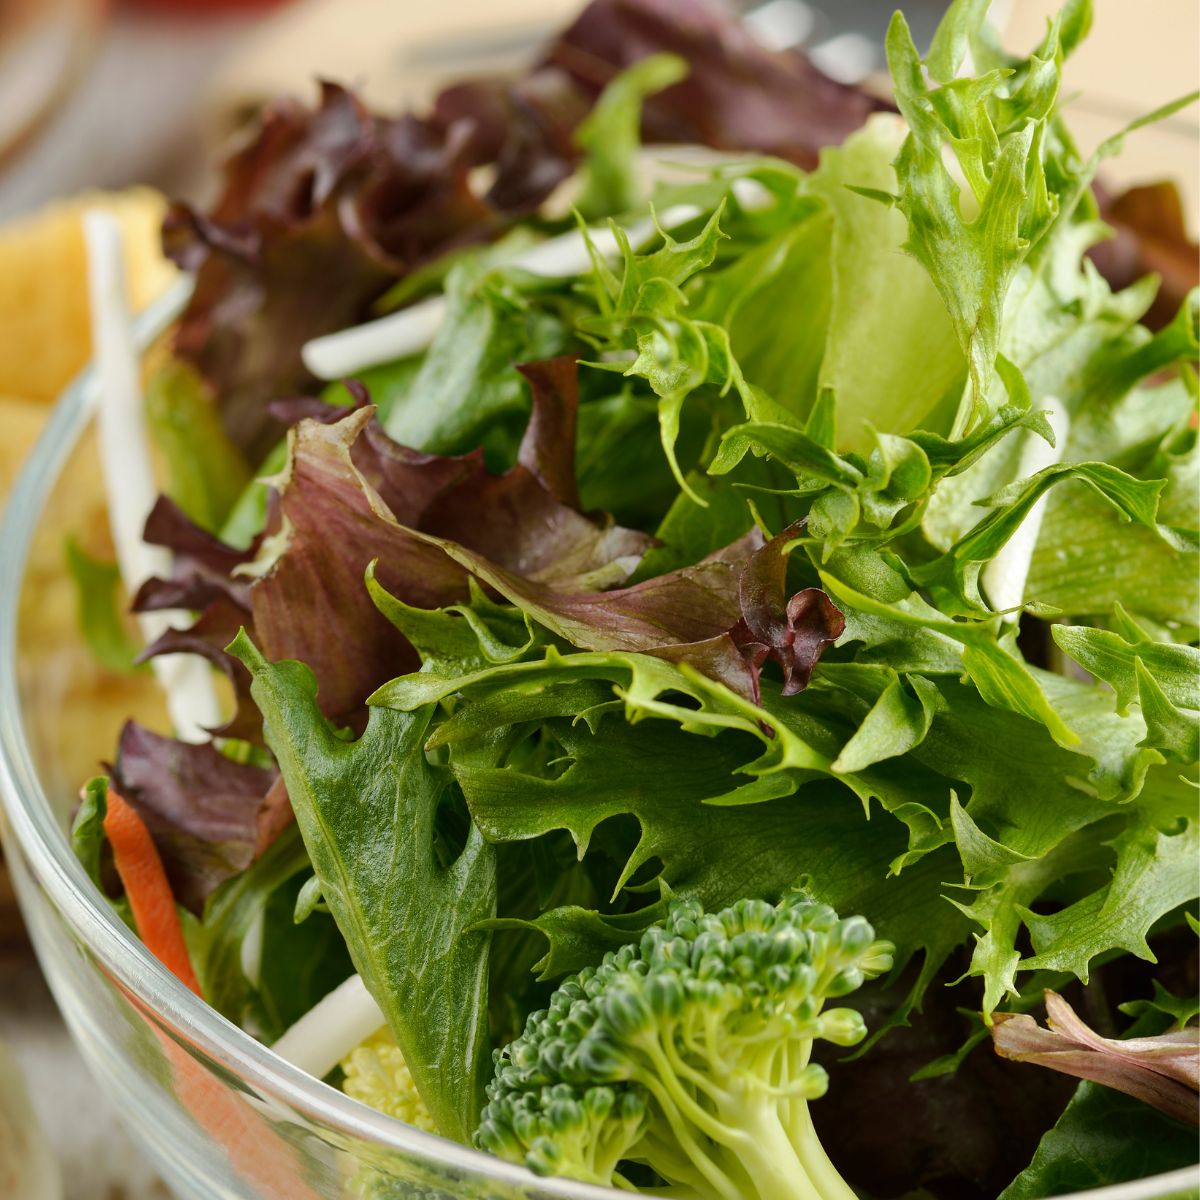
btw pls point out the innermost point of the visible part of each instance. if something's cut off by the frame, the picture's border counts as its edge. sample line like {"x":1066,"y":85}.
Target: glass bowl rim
{"x":56,"y":870}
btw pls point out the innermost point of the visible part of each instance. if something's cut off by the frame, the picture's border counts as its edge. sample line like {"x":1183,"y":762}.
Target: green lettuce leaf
{"x":466,"y":391}
{"x":1155,"y":873}
{"x":368,"y":812}
{"x":206,"y":472}
{"x":611,"y":135}
{"x":1103,"y":1138}
{"x":98,"y":590}
{"x":894,"y":364}
{"x":298,"y":964}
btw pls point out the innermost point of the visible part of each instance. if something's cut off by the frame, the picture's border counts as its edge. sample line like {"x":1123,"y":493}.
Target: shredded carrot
{"x":252,"y":1144}
{"x":147,"y":888}
{"x":252,"y":1134}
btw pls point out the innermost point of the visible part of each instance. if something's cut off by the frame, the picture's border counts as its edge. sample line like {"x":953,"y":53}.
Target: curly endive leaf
{"x":1155,"y":873}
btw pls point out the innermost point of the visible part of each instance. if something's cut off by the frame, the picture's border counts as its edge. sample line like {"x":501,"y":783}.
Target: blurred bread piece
{"x":21,"y":420}
{"x":44,"y":323}
{"x":45,"y":341}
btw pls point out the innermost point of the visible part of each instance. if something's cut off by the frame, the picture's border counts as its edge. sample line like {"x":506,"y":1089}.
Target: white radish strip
{"x":412,"y":329}
{"x":331,"y":1028}
{"x":128,"y":479}
{"x":1005,"y":575}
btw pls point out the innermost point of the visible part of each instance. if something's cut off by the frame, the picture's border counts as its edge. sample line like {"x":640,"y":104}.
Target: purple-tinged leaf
{"x":204,"y":579}
{"x":738,"y":95}
{"x":209,"y":815}
{"x":699,"y":615}
{"x":203,"y":567}
{"x":526,"y":127}
{"x":792,"y":632}
{"x":351,"y":496}
{"x":310,"y":603}
{"x":1163,"y":1071}
{"x":207,"y":636}
{"x":548,"y":447}
{"x":319,"y":214}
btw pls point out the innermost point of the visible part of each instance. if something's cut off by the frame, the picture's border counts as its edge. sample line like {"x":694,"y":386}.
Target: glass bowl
{"x":220,"y":1115}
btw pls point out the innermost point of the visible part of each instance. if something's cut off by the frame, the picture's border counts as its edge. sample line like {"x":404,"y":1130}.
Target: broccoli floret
{"x":689,"y":1053}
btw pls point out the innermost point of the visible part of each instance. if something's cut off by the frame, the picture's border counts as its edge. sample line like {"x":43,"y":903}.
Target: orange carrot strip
{"x":255,"y":1150}
{"x":266,"y":1161}
{"x":147,"y":889}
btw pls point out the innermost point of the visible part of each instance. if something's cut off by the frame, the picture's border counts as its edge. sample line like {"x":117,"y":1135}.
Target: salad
{"x":708,"y":637}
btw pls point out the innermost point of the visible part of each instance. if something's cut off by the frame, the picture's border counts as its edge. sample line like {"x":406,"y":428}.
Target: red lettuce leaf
{"x":350,"y":496}
{"x":310,"y":603}
{"x":738,"y":95}
{"x":209,"y":816}
{"x":203,"y":567}
{"x":319,"y":214}
{"x":1163,"y":1071}
{"x":216,"y":626}
{"x":724,"y":616}
{"x":204,"y":579}
{"x":526,"y":127}
{"x":792,"y":632}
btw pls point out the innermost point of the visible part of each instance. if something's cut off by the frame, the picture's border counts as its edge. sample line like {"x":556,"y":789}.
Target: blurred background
{"x":136,"y":99}
{"x":102,"y":95}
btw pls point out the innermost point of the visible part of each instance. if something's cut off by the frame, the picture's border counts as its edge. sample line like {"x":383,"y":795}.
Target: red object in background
{"x":199,"y":6}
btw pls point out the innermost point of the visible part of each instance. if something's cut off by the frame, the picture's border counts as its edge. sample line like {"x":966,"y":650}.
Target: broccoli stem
{"x":771,"y":1159}
{"x":765,"y":1148}
{"x":824,"y":1175}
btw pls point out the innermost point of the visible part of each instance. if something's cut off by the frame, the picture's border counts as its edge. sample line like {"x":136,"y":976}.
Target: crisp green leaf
{"x":894,"y":363}
{"x":970,"y":259}
{"x":1163,"y":678}
{"x":610,"y":135}
{"x":1155,"y":873}
{"x":1103,"y":1138}
{"x":87,"y":830}
{"x":87,"y":842}
{"x":368,"y":813}
{"x":215,"y":944}
{"x":1181,"y":1010}
{"x":783,"y":279}
{"x":1114,"y":659}
{"x":308,"y":900}
{"x":898,"y":721}
{"x":467,"y":389}
{"x":1174,"y":732}
{"x":206,"y":472}
{"x":954,"y":576}
{"x":459,"y":639}
{"x":1002,"y":678}
{"x":299,"y":965}
{"x":1087,"y":560}
{"x":296,"y":967}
